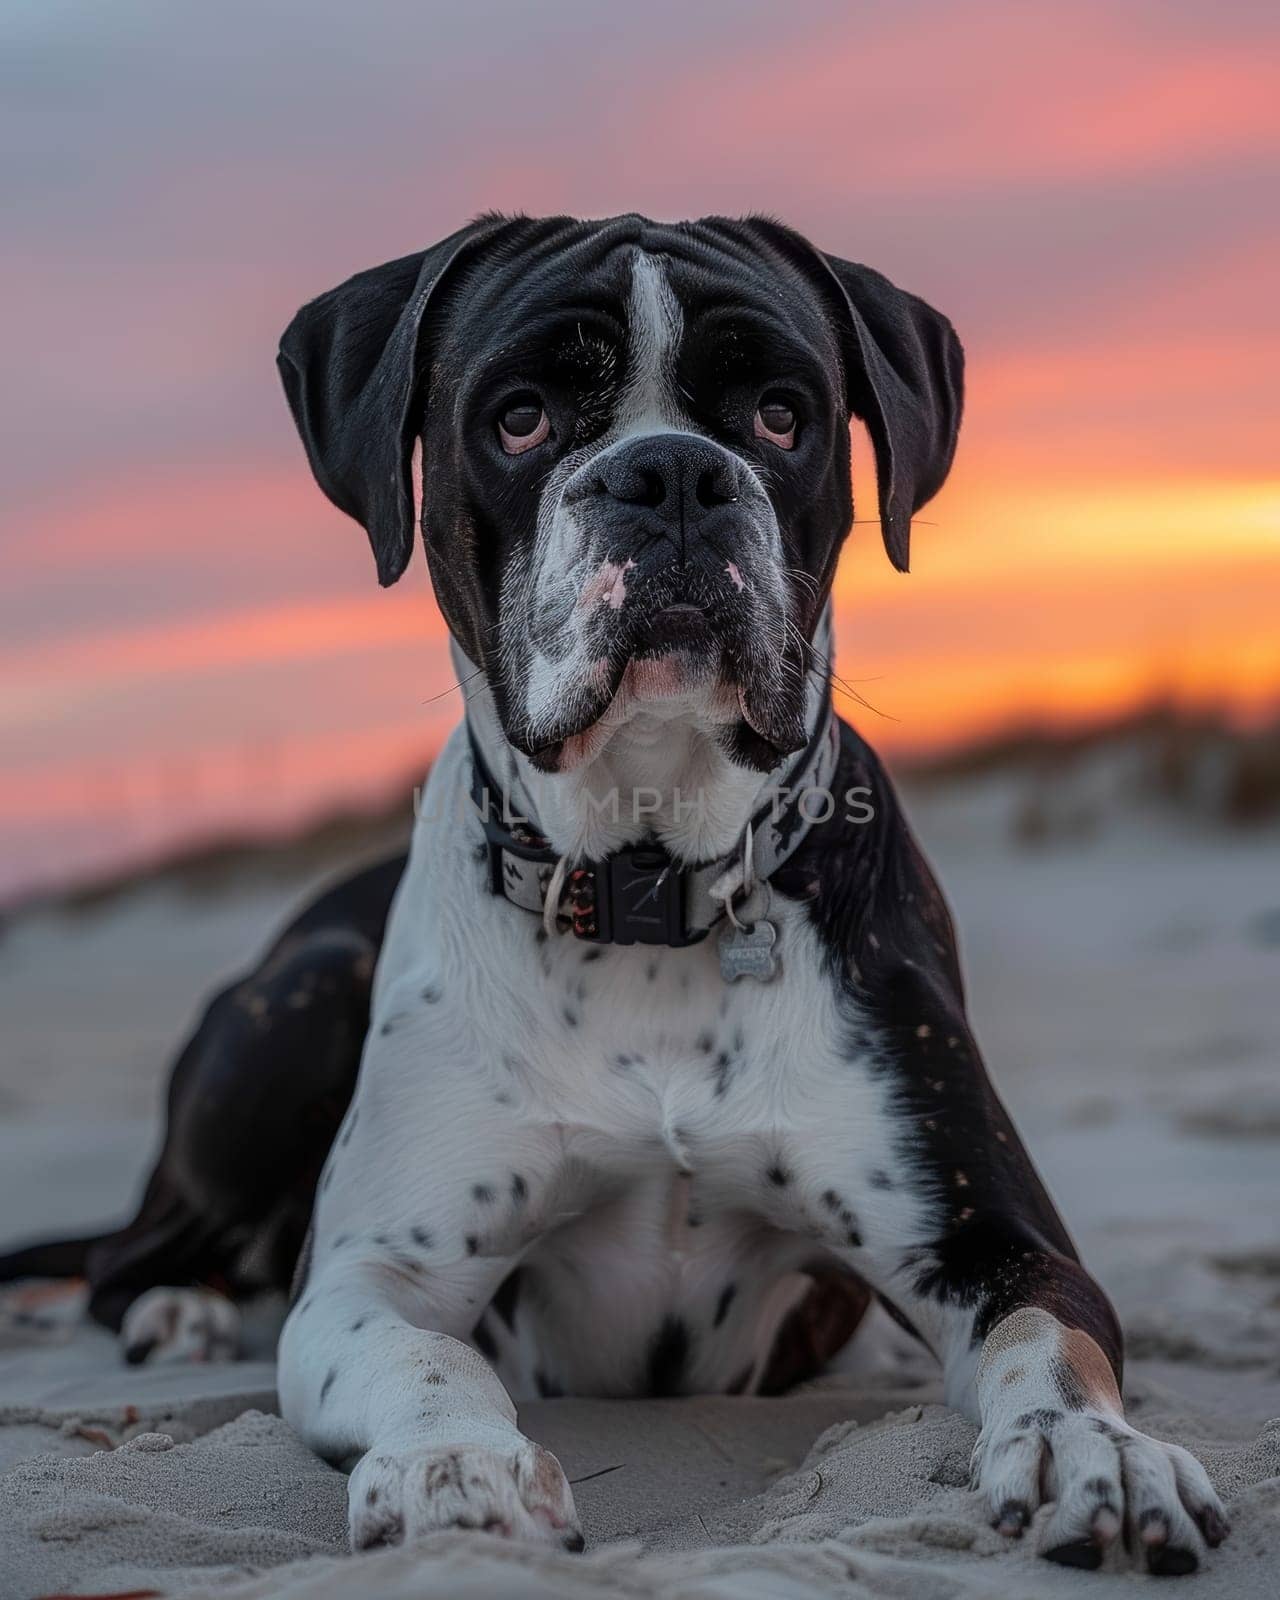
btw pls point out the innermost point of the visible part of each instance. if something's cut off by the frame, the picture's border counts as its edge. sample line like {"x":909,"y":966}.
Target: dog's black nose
{"x":676,"y":481}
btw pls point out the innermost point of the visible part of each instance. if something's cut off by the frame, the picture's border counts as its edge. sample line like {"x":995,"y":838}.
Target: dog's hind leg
{"x":255,"y":1100}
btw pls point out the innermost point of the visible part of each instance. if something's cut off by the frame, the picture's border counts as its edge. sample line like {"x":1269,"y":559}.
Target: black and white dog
{"x":664,"y":1075}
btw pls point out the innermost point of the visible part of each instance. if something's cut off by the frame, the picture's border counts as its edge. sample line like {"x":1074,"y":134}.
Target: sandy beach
{"x":1123,"y":984}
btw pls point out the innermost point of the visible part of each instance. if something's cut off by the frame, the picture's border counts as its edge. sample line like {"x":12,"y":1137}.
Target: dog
{"x":648,"y":1070}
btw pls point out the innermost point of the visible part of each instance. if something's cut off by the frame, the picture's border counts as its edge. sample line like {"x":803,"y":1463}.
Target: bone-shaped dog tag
{"x":747,"y":952}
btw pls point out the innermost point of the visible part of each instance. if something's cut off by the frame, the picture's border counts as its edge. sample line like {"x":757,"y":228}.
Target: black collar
{"x":640,"y":894}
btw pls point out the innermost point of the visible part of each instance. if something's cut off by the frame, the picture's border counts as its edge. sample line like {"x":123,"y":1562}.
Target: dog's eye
{"x":523,"y":424}
{"x":776,"y":420}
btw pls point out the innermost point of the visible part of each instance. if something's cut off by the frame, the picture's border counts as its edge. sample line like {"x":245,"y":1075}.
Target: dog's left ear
{"x":904,"y":376}
{"x":904,"y":368}
{"x":352,"y":364}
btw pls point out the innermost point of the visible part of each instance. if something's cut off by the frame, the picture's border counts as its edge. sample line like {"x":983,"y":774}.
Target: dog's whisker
{"x":461,"y":684}
{"x":843,"y":686}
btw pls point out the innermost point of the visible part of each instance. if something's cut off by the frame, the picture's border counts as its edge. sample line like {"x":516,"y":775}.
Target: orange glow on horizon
{"x":191,"y":637}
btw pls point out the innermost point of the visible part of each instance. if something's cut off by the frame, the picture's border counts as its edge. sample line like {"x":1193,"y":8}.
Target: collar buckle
{"x":635,"y":896}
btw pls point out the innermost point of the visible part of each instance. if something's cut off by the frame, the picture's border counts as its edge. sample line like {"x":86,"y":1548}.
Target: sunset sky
{"x":191,"y":638}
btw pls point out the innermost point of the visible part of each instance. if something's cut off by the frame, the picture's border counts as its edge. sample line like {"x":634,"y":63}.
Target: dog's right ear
{"x":352,"y":364}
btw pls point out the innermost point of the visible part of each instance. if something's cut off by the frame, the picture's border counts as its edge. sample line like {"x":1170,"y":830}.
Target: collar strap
{"x":640,"y":894}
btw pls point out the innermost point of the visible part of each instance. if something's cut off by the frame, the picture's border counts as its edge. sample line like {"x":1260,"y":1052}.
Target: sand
{"x":1125,"y":989}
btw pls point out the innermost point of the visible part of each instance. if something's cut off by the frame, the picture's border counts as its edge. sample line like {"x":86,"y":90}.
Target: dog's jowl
{"x":666,"y":1075}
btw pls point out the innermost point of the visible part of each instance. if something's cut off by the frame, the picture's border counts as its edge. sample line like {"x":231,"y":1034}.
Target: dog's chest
{"x":650,"y":1067}
{"x":628,"y":1066}
{"x":651,"y":1051}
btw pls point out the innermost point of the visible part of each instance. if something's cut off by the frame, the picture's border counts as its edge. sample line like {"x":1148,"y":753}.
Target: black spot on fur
{"x":591,"y":955}
{"x":482,"y":1194}
{"x":878,"y":1178}
{"x":724,"y":1071}
{"x":519,"y":1189}
{"x":651,"y":971}
{"x":835,"y":1202}
{"x":1043,"y":1419}
{"x":723,"y":1304}
{"x":504,"y":1302}
{"x":341,"y":1239}
{"x":421,"y":1237}
{"x":473,"y":1244}
{"x":706,"y":1043}
{"x":431,"y":994}
{"x":358,"y":1324}
{"x":331,"y":1378}
{"x":778,"y":1176}
{"x":571,"y":1017}
{"x":667,"y":1357}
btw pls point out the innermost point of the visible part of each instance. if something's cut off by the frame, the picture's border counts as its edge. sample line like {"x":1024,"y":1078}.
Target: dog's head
{"x":635,"y":454}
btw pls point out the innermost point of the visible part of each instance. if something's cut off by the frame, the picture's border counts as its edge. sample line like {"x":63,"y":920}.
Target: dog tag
{"x":747,"y":952}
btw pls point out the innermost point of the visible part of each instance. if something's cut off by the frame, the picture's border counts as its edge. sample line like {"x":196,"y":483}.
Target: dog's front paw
{"x":180,"y":1325}
{"x":519,"y":1492}
{"x":1105,"y":1479}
